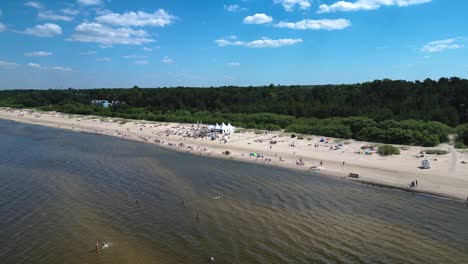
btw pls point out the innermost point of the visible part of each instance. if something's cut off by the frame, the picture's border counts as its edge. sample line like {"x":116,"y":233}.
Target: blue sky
{"x":157,"y":43}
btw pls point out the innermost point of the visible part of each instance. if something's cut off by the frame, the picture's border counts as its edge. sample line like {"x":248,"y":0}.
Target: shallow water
{"x":61,"y":191}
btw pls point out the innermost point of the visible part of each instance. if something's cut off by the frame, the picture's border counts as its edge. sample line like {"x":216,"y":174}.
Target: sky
{"x":53,"y":44}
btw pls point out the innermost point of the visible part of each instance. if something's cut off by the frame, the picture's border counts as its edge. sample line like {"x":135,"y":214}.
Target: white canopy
{"x":230,"y":128}
{"x":225,"y":129}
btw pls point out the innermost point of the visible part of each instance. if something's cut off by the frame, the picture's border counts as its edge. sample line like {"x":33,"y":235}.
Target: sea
{"x":61,"y":192}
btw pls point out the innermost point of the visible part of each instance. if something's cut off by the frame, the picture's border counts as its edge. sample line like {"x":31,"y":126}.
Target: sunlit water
{"x":61,"y":191}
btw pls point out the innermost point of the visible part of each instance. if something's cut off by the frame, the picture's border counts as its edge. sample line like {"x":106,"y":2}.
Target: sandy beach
{"x":448,"y":176}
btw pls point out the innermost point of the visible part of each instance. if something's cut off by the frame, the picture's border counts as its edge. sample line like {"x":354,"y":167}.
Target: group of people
{"x":413,"y":184}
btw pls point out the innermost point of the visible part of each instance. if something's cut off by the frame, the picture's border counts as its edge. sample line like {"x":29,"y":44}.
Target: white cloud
{"x":89,"y":2}
{"x":34,"y":4}
{"x":55,"y":68}
{"x":322,"y":24}
{"x":234,"y":8}
{"x":103,"y":59}
{"x":89,"y":52}
{"x":289,"y":5}
{"x":2,"y":27}
{"x":141,"y":62}
{"x":50,"y":15}
{"x":135,"y":57}
{"x":60,"y":68}
{"x":147,"y":49}
{"x":44,"y":31}
{"x":71,"y":12}
{"x":34,"y":65}
{"x":97,"y":33}
{"x":234,"y":64}
{"x":358,"y":5}
{"x":441,"y":45}
{"x":258,"y":19}
{"x":8,"y":65}
{"x":167,"y":60}
{"x":261,"y":43}
{"x":159,"y":18}
{"x":38,"y":54}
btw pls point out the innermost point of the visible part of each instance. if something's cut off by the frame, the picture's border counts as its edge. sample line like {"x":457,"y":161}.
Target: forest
{"x":387,"y":111}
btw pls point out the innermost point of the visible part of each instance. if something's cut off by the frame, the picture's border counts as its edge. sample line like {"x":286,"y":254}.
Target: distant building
{"x":105,"y":103}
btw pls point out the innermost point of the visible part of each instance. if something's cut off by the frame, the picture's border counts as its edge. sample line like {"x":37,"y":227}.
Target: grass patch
{"x":388,"y":150}
{"x":436,"y":152}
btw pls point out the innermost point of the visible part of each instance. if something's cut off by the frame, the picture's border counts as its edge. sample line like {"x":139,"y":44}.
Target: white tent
{"x":217,"y":126}
{"x":224,"y":128}
{"x":231,"y":129}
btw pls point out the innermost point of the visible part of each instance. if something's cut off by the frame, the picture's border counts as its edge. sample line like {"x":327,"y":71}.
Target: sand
{"x":448,"y":176}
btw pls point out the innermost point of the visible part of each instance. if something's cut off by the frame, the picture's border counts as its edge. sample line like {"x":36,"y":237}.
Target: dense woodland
{"x":421,"y":113}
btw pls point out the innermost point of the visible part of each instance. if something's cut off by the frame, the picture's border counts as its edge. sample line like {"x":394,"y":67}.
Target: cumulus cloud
{"x":234,"y":8}
{"x":167,"y":60}
{"x":60,"y":68}
{"x":441,"y":45}
{"x":8,"y":65}
{"x":358,"y":5}
{"x":234,"y":64}
{"x":260,"y":43}
{"x":89,"y":2}
{"x":289,"y":5}
{"x":48,"y":14}
{"x":97,"y":33}
{"x":47,"y":30}
{"x":69,"y":11}
{"x":2,"y":27}
{"x":135,"y":57}
{"x":38,"y":54}
{"x":322,"y":24}
{"x":159,"y":18}
{"x":103,"y":59}
{"x":55,"y":68}
{"x":258,"y":19}
{"x":34,"y":4}
{"x":34,"y":65}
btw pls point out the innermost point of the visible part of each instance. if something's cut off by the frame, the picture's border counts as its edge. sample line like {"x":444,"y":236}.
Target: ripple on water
{"x":54,"y":212}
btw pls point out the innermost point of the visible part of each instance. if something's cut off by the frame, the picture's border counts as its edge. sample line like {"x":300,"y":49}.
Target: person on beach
{"x":343,"y":163}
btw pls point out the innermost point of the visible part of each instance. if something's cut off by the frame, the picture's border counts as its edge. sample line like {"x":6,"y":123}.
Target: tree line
{"x":387,"y":111}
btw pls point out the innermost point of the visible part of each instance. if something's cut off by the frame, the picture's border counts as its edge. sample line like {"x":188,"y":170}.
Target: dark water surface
{"x":53,"y":211}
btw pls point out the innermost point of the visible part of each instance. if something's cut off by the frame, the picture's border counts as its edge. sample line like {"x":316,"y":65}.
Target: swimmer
{"x":106,"y":245}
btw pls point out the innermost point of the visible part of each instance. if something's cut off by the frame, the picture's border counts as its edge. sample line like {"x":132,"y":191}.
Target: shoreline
{"x":446,"y":179}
